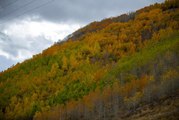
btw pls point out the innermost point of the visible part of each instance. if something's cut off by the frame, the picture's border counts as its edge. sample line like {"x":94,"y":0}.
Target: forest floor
{"x":164,"y":109}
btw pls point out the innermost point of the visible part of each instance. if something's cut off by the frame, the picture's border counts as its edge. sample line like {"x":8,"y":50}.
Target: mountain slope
{"x":106,"y":70}
{"x":149,"y":77}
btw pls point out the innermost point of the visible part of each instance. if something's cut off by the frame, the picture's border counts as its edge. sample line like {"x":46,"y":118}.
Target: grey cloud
{"x":83,"y":11}
{"x":10,"y":46}
{"x":16,"y":51}
{"x":5,"y":63}
{"x":31,"y":45}
{"x":89,"y":10}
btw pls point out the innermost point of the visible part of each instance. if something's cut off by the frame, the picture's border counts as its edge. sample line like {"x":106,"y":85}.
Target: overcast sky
{"x":29,"y":26}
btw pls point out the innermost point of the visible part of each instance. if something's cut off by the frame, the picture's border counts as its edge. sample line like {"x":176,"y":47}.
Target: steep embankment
{"x":140,"y":86}
{"x":106,"y":70}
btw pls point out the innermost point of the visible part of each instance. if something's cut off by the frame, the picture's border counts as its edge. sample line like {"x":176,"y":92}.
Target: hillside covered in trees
{"x":126,"y":67}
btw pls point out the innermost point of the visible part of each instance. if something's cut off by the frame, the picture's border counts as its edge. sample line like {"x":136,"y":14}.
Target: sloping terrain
{"x":146,"y":78}
{"x":112,"y":69}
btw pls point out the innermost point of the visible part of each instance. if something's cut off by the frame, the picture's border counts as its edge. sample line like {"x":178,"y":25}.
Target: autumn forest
{"x":119,"y":68}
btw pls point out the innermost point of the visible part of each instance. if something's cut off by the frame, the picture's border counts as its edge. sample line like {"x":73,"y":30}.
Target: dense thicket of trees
{"x":104,"y":70}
